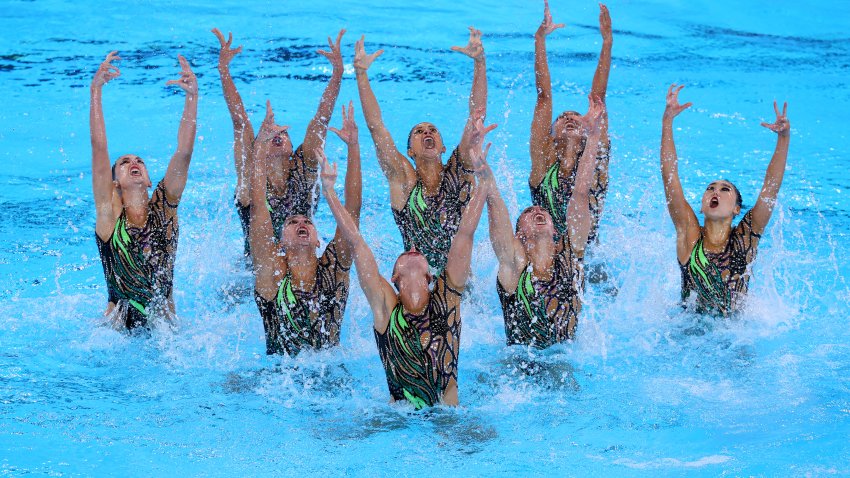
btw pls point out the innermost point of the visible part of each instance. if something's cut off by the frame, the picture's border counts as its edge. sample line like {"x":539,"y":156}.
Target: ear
{"x":737,"y":210}
{"x":443,"y":150}
{"x":410,"y":153}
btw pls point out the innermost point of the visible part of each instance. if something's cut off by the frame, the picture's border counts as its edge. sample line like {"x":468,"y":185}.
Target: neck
{"x":135,"y":202}
{"x":716,"y":233}
{"x":302,"y":263}
{"x":540,"y":253}
{"x":430,"y":172}
{"x":570,"y":146}
{"x":415,"y":303}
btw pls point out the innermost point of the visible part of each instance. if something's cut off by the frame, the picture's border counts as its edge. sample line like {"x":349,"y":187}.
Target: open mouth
{"x":428,"y":142}
{"x":277,"y":141}
{"x":539,"y":219}
{"x":302,"y":233}
{"x":135,"y":171}
{"x":714,"y":202}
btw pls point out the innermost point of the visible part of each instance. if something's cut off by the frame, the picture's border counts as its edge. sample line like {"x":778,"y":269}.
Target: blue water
{"x":645,"y":388}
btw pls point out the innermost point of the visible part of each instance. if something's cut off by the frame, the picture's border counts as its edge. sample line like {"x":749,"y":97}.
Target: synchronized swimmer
{"x":301,"y":295}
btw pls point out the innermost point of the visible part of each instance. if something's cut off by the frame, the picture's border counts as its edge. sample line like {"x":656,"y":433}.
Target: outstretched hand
{"x":547,"y":26}
{"x":269,"y":131}
{"x":328,"y":174}
{"x":673,"y":107}
{"x":335,"y":55}
{"x":477,"y":154}
{"x":348,"y":133}
{"x":474,"y":49}
{"x":605,"y":23}
{"x":187,"y":81}
{"x":592,"y":120}
{"x":782,"y":126}
{"x":362,"y":61}
{"x":226,"y":53}
{"x":476,"y":138}
{"x":106,"y":71}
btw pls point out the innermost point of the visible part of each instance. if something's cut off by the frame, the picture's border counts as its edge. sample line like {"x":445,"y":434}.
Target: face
{"x":130,"y":170}
{"x":568,"y":126}
{"x":535,"y":222}
{"x":412,"y":276}
{"x":281,"y":146}
{"x":299,"y":231}
{"x":425,"y":141}
{"x":719,"y":200}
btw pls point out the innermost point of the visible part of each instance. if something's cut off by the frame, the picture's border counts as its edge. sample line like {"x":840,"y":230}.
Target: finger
{"x":323,"y":53}
{"x":334,"y":130}
{"x":687,"y":105}
{"x":183,"y":63}
{"x":377,"y":53}
{"x":229,"y":38}
{"x":339,"y":37}
{"x":111,"y":55}
{"x":559,"y":25}
{"x":457,"y":48}
{"x":269,"y":112}
{"x":218,"y":35}
{"x":238,"y":50}
{"x":487,"y":149}
{"x":766,"y":125}
{"x":679,"y":89}
{"x":775,"y":108}
{"x":490,"y":128}
{"x":351,"y":109}
{"x":784,"y":109}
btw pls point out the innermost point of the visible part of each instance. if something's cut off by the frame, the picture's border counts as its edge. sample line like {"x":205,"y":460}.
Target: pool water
{"x":645,"y":388}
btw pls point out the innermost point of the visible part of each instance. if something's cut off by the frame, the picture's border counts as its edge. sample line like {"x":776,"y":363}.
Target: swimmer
{"x":556,"y":147}
{"x":292,"y":174}
{"x":301,"y":297}
{"x":427,"y":198}
{"x":417,"y":328}
{"x":540,"y":275}
{"x":137,"y":234}
{"x":715,"y":258}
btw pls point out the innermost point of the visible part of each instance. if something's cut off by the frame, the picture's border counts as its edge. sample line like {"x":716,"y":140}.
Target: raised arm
{"x":460,"y":253}
{"x":684,"y":219}
{"x":396,"y":167}
{"x":603,"y":68}
{"x":378,"y":291}
{"x":578,"y":212}
{"x":763,"y":209}
{"x":178,"y":167}
{"x":478,"y":96}
{"x":269,"y":267}
{"x":353,"y":182}
{"x":100,"y":165}
{"x":541,"y":141}
{"x":506,"y":246}
{"x":243,"y":132}
{"x":317,"y":130}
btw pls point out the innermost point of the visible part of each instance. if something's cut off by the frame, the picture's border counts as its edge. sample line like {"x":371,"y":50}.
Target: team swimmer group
{"x":301,"y":295}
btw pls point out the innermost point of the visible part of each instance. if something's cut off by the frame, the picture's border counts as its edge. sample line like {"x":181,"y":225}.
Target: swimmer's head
{"x":281,"y":145}
{"x":298,"y":231}
{"x":425,"y":141}
{"x":412,"y":278}
{"x":721,"y":200}
{"x":130,"y":169}
{"x":534,"y":222}
{"x":568,"y":126}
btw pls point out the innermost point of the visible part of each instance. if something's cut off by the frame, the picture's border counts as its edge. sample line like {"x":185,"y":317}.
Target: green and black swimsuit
{"x":420,"y":352}
{"x":297,"y":319}
{"x":721,"y":280}
{"x":542,"y":313}
{"x":301,"y":197}
{"x":430,"y":223}
{"x":555,"y":191}
{"x":138,"y":262}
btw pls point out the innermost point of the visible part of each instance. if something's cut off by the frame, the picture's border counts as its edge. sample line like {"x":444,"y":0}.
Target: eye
{"x":725,"y":188}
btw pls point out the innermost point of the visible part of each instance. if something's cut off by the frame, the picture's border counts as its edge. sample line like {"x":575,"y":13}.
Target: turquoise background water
{"x":644,"y":389}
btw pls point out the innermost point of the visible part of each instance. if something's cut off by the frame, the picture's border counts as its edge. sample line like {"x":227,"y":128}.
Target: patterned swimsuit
{"x":429,"y":223}
{"x":138,"y":262}
{"x":555,"y":191}
{"x":301,"y":197}
{"x":720,"y":280}
{"x":296,"y":319}
{"x":420,"y":352}
{"x":542,"y":313}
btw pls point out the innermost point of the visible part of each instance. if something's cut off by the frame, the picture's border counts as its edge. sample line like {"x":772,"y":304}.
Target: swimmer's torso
{"x":138,"y":262}
{"x":430,"y":223}
{"x":542,"y":313}
{"x":420,"y":352}
{"x":297,"y":319}
{"x":555,"y":191}
{"x":720,"y":280}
